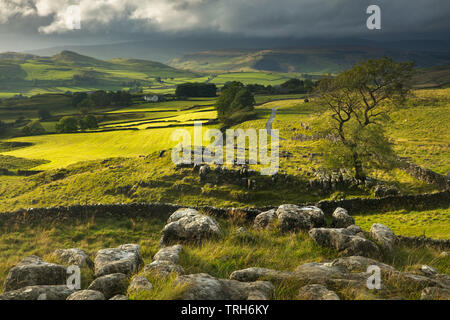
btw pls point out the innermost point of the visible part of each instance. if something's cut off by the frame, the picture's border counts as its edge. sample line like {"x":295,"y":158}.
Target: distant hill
{"x":433,"y":77}
{"x":320,"y":59}
{"x":22,"y":72}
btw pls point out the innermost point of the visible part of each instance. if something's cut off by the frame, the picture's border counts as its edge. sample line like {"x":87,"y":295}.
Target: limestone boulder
{"x":110,"y":285}
{"x":205,"y":287}
{"x":124,"y":259}
{"x":33,"y":271}
{"x":341,"y":218}
{"x":187,"y":225}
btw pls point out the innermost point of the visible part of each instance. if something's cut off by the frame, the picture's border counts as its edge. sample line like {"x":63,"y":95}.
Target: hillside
{"x":24,"y":73}
{"x":432,"y":77}
{"x":304,"y":60}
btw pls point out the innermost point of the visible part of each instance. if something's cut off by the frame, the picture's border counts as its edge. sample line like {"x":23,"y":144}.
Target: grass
{"x":430,"y":223}
{"x":219,"y":257}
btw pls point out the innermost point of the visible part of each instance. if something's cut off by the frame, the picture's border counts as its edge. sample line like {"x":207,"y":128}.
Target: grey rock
{"x":110,"y":285}
{"x":33,"y":271}
{"x":293,"y":218}
{"x":383,"y":236}
{"x":316,"y":292}
{"x":171,"y":254}
{"x":119,"y":297}
{"x":360,"y":264}
{"x":124,"y":259}
{"x":86,"y":295}
{"x":254,"y":274}
{"x":74,"y":256}
{"x":44,"y":292}
{"x":265,"y":219}
{"x":341,"y":218}
{"x":139,"y":283}
{"x":188,"y":225}
{"x":205,"y":287}
{"x":344,"y":241}
{"x":163,"y":268}
{"x":435,"y":293}
{"x":428,"y":271}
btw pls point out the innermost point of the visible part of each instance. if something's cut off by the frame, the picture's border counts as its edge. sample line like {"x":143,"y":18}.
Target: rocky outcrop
{"x":163,"y":268}
{"x":293,"y":218}
{"x":74,"y":256}
{"x":345,"y":241}
{"x":110,"y":285}
{"x":290,"y":218}
{"x":265,"y":219}
{"x":347,"y":273}
{"x":125,"y":259}
{"x":33,"y":271}
{"x":171,"y":254}
{"x":188,"y":225}
{"x":86,"y":295}
{"x":43,"y":292}
{"x":383,"y":236}
{"x":316,"y":292}
{"x":139,"y":283}
{"x":166,"y":262}
{"x":205,"y":287}
{"x":341,"y":218}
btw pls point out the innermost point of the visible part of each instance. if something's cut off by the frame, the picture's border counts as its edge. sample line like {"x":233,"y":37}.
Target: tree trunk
{"x":359,"y":172}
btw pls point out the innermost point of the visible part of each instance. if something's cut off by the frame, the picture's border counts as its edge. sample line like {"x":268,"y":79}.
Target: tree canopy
{"x":235,"y":103}
{"x":358,"y":102}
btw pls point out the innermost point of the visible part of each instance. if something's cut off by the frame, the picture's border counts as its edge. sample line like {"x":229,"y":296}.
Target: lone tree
{"x":358,"y":101}
{"x":235,"y":103}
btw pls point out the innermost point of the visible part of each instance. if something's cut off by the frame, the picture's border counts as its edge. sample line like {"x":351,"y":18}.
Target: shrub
{"x":33,"y":128}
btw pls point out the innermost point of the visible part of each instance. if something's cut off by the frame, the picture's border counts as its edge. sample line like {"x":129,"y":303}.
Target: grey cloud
{"x":268,"y":18}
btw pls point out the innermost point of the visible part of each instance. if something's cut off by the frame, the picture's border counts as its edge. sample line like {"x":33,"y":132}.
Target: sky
{"x":31,"y":24}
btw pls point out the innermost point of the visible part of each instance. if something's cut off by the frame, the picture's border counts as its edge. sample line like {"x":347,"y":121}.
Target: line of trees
{"x":71,"y":124}
{"x":235,"y":104}
{"x":196,"y":90}
{"x":101,"y":99}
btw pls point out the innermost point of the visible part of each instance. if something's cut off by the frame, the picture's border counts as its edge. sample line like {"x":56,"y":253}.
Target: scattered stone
{"x":110,"y":285}
{"x":189,"y":225}
{"x":33,"y":271}
{"x":205,"y":287}
{"x":124,"y":259}
{"x":428,"y":271}
{"x":444,"y":254}
{"x":265,"y":219}
{"x":74,"y":256}
{"x":119,"y":297}
{"x":345,"y":241}
{"x":341,"y":218}
{"x":171,"y":254}
{"x":383,"y":236}
{"x":435,"y":293}
{"x":139,"y":283}
{"x":45,"y":292}
{"x":86,"y":295}
{"x":316,"y":292}
{"x":383,"y":191}
{"x":292,"y":217}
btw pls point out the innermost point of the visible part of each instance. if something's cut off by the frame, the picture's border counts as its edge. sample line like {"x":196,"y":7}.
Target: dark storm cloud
{"x":253,"y":18}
